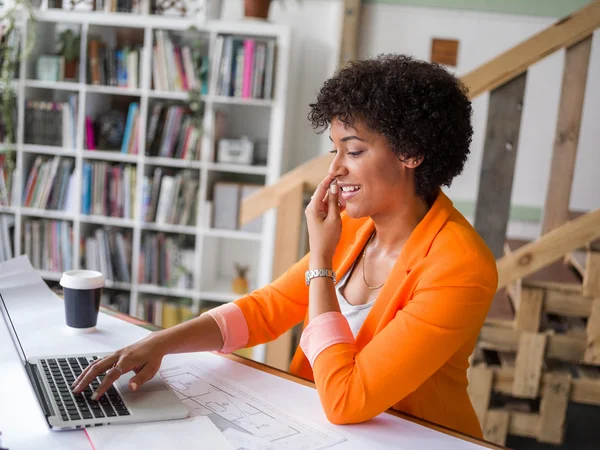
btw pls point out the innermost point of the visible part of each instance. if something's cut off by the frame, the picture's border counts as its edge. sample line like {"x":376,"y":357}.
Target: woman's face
{"x":371,"y":177}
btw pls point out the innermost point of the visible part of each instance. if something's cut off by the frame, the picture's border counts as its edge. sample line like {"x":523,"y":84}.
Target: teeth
{"x":350,"y":188}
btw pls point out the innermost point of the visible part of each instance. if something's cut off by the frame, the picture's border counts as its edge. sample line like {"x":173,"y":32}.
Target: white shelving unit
{"x":215,"y":250}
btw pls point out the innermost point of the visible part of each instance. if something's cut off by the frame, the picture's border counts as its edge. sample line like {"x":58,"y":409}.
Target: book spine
{"x":248,"y":64}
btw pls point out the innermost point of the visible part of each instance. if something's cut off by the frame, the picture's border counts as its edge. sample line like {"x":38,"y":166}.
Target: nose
{"x":337,"y":167}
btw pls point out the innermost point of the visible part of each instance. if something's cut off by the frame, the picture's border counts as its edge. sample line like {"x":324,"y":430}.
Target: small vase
{"x":71,"y":70}
{"x":257,"y":9}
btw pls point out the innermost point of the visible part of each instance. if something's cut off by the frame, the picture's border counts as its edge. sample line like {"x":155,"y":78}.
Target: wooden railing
{"x":504,"y":76}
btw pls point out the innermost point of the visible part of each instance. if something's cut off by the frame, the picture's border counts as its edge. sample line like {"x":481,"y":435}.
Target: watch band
{"x":314,"y":273}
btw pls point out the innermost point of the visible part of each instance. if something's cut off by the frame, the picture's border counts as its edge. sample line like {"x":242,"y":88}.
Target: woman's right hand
{"x":143,"y":357}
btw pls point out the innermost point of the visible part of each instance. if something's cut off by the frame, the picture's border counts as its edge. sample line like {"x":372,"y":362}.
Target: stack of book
{"x":108,"y":190}
{"x":169,"y":198}
{"x":245,"y":68}
{"x":109,"y":251}
{"x":7,"y":223}
{"x":176,"y":67}
{"x":48,"y":244}
{"x":165,"y":262}
{"x":51,"y":184}
{"x":164,"y":312}
{"x":51,"y":123}
{"x":113,"y":66}
{"x":173,"y":134}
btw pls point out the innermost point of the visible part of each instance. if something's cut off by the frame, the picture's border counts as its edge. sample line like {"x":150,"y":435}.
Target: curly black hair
{"x":419,"y":107}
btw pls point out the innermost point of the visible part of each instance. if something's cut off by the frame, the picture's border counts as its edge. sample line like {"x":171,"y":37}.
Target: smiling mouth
{"x":349,"y":191}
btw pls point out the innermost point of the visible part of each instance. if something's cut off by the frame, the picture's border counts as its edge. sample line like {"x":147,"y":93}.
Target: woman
{"x":415,"y":279}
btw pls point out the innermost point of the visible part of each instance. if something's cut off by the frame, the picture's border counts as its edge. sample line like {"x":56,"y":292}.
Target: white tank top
{"x":355,"y":315}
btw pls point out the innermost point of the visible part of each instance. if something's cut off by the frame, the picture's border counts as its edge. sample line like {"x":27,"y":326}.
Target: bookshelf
{"x":210,"y":253}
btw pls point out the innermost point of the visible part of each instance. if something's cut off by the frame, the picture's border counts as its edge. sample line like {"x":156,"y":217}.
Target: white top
{"x":354,"y":314}
{"x":82,"y":279}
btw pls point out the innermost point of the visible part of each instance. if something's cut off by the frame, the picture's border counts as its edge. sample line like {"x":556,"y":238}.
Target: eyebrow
{"x":348,"y":138}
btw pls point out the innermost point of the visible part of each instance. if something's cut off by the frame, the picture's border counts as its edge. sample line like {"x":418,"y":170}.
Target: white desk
{"x":39,"y":319}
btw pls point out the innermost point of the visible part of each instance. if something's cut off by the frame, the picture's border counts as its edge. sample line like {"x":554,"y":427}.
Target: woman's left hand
{"x":324,"y":223}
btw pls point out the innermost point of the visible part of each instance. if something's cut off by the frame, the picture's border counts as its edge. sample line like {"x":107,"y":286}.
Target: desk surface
{"x":24,"y":427}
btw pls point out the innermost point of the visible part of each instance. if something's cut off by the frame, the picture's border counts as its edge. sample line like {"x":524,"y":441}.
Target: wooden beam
{"x":591,"y":277}
{"x":553,"y":408}
{"x":564,"y":347}
{"x":529,"y":311}
{"x":585,"y":389}
{"x":524,"y":424}
{"x":548,"y":248}
{"x":517,"y":60}
{"x":311,"y":173}
{"x":592,"y":351}
{"x":350,"y":22}
{"x":495,"y":428}
{"x":480,"y":390}
{"x":564,"y":154}
{"x":287,"y":240}
{"x":528,"y":366}
{"x":567,"y":304}
{"x":498,"y":167}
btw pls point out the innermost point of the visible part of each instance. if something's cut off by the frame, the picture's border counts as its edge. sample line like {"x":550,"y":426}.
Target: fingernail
{"x":94,"y":396}
{"x":132,"y":386}
{"x":334,"y":188}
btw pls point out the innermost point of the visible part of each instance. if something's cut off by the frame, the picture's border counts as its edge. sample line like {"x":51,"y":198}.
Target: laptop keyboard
{"x":61,"y":374}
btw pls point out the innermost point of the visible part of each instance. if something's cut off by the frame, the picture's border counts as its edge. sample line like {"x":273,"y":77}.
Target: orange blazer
{"x":412,"y":351}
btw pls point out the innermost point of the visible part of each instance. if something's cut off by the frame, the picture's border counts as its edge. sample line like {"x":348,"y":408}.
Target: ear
{"x":411,"y":163}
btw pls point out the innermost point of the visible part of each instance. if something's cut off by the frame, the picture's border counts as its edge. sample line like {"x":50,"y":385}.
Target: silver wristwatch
{"x":314,"y":273}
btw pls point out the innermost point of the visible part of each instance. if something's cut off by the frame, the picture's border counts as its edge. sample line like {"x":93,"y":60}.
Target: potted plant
{"x":70,"y":44}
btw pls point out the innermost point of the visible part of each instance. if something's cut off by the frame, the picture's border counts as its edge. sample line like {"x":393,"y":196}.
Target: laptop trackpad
{"x":154,"y":385}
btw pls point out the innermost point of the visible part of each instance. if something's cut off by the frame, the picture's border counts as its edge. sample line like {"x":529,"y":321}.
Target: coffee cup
{"x":82,"y":290}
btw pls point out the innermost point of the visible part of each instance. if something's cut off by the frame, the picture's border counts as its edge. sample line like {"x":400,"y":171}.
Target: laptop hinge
{"x":38,"y":387}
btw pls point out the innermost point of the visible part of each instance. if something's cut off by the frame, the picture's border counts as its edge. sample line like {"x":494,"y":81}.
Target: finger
{"x":334,"y":209}
{"x":112,"y":375}
{"x":92,"y":371}
{"x":321,"y":190}
{"x":146,"y":373}
{"x":85,"y":372}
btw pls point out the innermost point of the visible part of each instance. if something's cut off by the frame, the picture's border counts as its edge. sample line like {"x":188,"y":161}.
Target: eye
{"x":355,"y":154}
{"x":333,"y":151}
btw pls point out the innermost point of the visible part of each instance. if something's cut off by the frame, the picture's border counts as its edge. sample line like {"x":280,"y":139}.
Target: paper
{"x":246,"y":419}
{"x":194,"y":433}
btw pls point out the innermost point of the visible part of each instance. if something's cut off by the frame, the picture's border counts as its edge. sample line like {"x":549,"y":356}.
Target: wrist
{"x":320,"y":262}
{"x":161,"y":342}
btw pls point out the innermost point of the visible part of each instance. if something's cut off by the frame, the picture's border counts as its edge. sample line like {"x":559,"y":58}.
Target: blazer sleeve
{"x":277,"y":307}
{"x":355,"y":386}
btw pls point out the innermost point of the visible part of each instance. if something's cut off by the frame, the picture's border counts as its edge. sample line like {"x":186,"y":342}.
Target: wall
{"x":404,"y":29}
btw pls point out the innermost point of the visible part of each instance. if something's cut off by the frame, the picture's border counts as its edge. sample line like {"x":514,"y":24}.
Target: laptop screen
{"x":12,"y":331}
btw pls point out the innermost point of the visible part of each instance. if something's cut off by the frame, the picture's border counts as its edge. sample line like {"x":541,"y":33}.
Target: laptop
{"x":51,"y":378}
